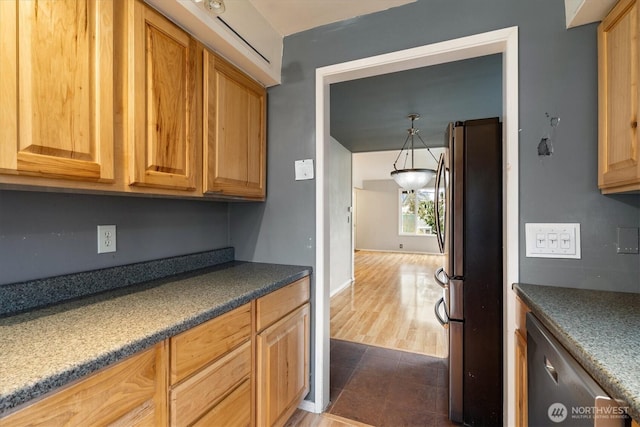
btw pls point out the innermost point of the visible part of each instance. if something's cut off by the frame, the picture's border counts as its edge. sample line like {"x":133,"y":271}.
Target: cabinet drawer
{"x":233,"y":411}
{"x":199,"y":393}
{"x":199,"y":346}
{"x":128,"y":393}
{"x":278,"y":304}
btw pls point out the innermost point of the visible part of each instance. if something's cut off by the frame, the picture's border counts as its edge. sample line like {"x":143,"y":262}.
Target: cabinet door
{"x":282,"y":368}
{"x":162,"y":132}
{"x":130,"y":393}
{"x":234,"y":130}
{"x":56,"y":107}
{"x":618,"y":96}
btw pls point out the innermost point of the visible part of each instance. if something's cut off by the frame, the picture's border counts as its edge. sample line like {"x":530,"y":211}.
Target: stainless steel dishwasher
{"x":560,"y":391}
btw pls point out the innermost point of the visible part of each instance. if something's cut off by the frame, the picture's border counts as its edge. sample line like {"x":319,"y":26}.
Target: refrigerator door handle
{"x":439,"y":231}
{"x":436,"y":310}
{"x":436,"y":277}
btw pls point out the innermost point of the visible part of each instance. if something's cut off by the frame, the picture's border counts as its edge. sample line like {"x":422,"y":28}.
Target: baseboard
{"x":341,"y":288}
{"x":398,"y":251}
{"x":307,"y":405}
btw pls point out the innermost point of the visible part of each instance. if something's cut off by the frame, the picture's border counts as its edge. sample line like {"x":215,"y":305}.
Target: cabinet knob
{"x":634,"y":124}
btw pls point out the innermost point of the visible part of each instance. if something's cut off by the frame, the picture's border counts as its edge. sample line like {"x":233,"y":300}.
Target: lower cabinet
{"x":521,"y":364}
{"x":282,"y":368}
{"x":210,"y":378}
{"x":282,"y":353}
{"x":130,"y":393}
{"x":249,"y":366}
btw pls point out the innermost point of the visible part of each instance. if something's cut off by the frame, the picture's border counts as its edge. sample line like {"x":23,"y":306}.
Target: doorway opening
{"x":503,"y":41}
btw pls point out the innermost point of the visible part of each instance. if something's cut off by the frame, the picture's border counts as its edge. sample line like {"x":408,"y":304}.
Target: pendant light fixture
{"x":412,"y":178}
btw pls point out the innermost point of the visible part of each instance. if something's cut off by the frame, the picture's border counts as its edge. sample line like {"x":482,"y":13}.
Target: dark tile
{"x":346,"y":354}
{"x":354,"y":406}
{"x":379,"y":364}
{"x":383,"y":352}
{"x":442,"y":400}
{"x":387,"y":388}
{"x":417,"y":372}
{"x":412,"y":395}
{"x":369,"y":383}
{"x":339,"y":376}
{"x":397,"y":416}
{"x":334,"y":395}
{"x":443,"y":378}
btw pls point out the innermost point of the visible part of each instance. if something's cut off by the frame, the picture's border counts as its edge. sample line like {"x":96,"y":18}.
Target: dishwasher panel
{"x":560,"y":391}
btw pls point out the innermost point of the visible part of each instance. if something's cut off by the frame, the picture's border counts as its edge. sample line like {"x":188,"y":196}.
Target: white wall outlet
{"x":553,"y":240}
{"x":106,"y":238}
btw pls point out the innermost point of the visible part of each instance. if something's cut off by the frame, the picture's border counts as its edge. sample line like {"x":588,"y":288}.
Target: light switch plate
{"x":304,"y":169}
{"x":559,"y":240}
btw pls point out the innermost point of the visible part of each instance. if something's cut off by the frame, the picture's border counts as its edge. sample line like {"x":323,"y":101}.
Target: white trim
{"x":503,"y":41}
{"x":342,"y":287}
{"x":307,"y":405}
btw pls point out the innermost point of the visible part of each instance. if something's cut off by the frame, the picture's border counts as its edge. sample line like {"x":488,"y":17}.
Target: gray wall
{"x":558,"y":74}
{"x":48,"y":234}
{"x":378,"y":221}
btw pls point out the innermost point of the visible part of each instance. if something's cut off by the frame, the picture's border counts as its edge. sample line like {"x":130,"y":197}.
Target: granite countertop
{"x":46,"y":348}
{"x":600,"y":329}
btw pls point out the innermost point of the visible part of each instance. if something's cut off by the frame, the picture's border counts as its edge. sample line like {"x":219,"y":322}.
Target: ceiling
{"x":292,"y":16}
{"x":371,"y":114}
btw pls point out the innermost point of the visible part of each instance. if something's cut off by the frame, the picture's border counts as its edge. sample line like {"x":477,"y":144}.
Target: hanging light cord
{"x":411,"y":132}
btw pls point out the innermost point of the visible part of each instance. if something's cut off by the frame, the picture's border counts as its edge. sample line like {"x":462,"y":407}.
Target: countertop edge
{"x":14,"y":401}
{"x":599,"y":372}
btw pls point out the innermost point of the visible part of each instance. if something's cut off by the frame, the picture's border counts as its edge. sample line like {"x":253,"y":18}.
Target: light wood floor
{"x":306,"y":419}
{"x":390,"y":304}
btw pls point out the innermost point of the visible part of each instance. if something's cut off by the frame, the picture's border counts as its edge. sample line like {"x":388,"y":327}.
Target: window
{"x":417,"y":214}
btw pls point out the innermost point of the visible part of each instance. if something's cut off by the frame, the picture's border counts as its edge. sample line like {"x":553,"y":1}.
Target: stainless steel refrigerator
{"x":469,"y":176}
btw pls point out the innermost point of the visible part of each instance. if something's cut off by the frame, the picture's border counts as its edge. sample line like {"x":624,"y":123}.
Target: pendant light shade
{"x":411,"y":178}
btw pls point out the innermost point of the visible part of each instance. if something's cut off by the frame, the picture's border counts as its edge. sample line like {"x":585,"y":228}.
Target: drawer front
{"x":233,"y":411}
{"x":201,"y":392}
{"x":199,"y":346}
{"x":278,"y":304}
{"x":123,"y":393}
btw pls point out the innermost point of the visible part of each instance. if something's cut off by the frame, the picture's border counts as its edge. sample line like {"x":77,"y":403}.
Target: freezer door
{"x":455,"y":370}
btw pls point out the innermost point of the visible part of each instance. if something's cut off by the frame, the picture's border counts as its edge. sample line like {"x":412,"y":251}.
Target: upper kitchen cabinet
{"x":234,"y":131}
{"x":56,"y":85}
{"x":618,"y":99}
{"x":163,"y":140}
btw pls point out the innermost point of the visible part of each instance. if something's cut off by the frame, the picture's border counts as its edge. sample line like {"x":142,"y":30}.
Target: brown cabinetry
{"x":161,"y":133}
{"x":234,"y":121}
{"x":109,"y":95}
{"x":282,"y":353}
{"x":56,"y":117}
{"x":130,"y":393}
{"x":618,"y":99}
{"x":211,"y":372}
{"x":521,"y":364}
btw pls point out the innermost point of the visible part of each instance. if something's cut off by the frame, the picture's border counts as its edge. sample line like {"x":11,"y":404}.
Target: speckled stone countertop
{"x":600,"y":329}
{"x":50,"y":347}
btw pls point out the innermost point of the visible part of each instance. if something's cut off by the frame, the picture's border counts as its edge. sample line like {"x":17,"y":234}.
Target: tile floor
{"x":387,"y":388}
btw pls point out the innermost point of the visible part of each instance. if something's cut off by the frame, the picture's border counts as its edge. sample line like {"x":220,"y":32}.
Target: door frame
{"x":504,"y":41}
